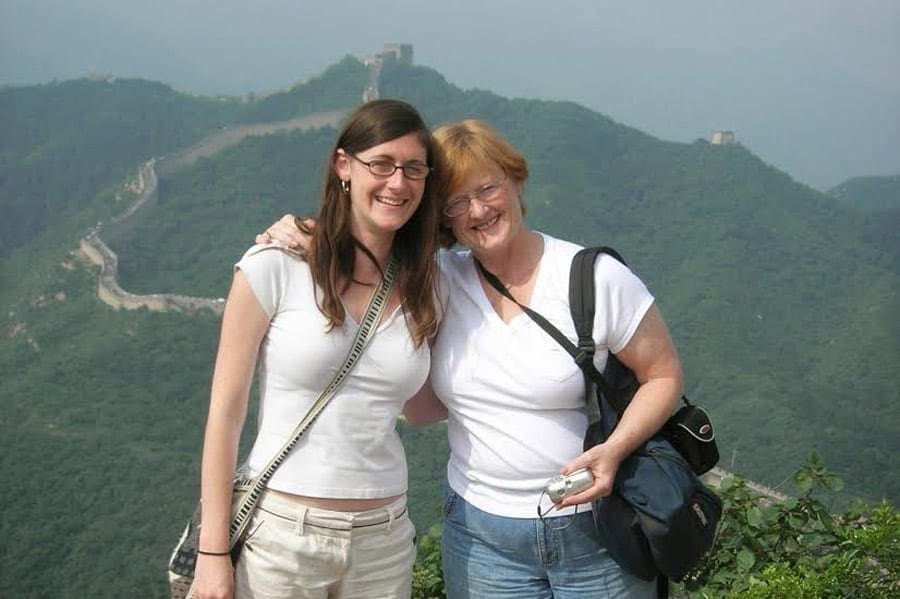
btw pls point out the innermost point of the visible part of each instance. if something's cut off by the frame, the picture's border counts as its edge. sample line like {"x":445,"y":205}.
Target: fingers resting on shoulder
{"x":286,"y":232}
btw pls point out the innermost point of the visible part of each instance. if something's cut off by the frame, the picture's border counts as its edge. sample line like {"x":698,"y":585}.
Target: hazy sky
{"x":811,"y":86}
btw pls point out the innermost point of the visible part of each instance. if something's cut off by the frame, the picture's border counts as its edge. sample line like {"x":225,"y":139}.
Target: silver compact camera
{"x":568,"y":484}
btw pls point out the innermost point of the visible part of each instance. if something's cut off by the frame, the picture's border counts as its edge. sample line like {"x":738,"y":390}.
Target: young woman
{"x":332,"y":522}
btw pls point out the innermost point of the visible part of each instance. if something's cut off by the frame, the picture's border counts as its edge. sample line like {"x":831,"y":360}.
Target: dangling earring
{"x":345,"y":186}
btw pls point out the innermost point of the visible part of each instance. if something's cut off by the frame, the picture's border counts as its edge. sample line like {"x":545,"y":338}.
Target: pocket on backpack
{"x":660,"y":519}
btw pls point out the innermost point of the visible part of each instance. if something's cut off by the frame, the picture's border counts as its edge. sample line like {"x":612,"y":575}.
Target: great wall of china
{"x":715,"y":476}
{"x":92,"y":247}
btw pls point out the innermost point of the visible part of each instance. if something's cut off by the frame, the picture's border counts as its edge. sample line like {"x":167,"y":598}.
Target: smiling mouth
{"x":390,"y":201}
{"x":487,"y":225}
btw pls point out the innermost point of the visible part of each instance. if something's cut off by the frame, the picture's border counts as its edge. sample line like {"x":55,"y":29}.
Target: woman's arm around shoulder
{"x":424,"y":407}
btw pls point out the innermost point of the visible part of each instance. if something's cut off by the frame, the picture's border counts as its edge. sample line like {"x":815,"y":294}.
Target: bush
{"x":428,"y":579}
{"x":795,"y":548}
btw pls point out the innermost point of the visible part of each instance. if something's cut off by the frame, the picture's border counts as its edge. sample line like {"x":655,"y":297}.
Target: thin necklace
{"x":361,"y":283}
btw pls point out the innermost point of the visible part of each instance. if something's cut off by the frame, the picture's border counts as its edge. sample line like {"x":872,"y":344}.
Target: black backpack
{"x":660,"y":519}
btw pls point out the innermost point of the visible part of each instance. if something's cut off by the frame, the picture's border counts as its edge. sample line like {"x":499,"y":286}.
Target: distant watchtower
{"x":397,"y":52}
{"x":401,"y":52}
{"x":721,"y":138}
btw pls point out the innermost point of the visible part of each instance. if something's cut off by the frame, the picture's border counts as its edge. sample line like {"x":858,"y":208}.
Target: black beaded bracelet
{"x":201,"y":552}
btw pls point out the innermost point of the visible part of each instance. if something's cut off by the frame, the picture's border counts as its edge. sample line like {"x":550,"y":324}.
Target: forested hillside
{"x":877,"y":201}
{"x":869,"y":193}
{"x":338,"y":86}
{"x":783,"y":301}
{"x":762,"y":279}
{"x":784,"y":309}
{"x":62,"y":141}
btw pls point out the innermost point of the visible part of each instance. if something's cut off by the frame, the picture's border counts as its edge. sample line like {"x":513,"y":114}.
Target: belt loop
{"x":302,"y":512}
{"x":390,"y":518}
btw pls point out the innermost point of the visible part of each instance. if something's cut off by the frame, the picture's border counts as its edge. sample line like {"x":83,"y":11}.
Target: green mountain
{"x":869,"y":193}
{"x":877,"y":201}
{"x":62,"y":141}
{"x":782,"y":300}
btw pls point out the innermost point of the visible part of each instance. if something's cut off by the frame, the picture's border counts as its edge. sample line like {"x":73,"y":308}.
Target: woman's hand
{"x":213,"y":577}
{"x":285,"y":231}
{"x":603,"y":462}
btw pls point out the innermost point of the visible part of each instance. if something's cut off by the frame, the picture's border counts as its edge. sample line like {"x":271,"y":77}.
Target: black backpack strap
{"x":582,"y":297}
{"x":582,"y":304}
{"x":662,"y":587}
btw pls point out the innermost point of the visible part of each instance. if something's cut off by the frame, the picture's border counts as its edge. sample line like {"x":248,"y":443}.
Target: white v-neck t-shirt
{"x":515,"y":397}
{"x":352,"y":450}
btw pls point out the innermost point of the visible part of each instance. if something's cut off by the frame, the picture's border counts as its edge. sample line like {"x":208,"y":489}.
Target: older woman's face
{"x":485,"y":210}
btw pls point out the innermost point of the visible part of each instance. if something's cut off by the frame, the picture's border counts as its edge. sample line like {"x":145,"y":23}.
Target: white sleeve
{"x":264,"y":268}
{"x":622,"y":300}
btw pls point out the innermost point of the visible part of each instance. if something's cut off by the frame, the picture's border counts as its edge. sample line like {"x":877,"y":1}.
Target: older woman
{"x":514,"y":399}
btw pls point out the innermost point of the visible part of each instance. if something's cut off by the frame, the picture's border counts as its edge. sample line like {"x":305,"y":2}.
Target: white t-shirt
{"x":515,"y":397}
{"x":352,"y":450}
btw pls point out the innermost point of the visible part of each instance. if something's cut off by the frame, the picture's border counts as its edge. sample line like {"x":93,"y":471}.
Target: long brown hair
{"x":333,"y":245}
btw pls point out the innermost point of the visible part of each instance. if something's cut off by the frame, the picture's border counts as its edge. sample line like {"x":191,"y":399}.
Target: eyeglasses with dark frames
{"x":381,"y":167}
{"x":486,"y":193}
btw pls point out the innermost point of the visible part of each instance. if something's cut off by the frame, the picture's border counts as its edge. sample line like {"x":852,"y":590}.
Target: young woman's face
{"x":382,"y":204}
{"x":488,"y":210}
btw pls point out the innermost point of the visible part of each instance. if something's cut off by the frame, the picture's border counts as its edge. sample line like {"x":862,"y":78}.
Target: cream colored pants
{"x":298,"y":552}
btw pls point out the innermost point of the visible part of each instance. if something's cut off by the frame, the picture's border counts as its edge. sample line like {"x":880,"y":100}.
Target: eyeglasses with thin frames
{"x":486,"y":193}
{"x":381,"y":167}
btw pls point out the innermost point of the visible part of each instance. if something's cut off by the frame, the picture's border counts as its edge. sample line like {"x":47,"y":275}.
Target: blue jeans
{"x":494,"y":557}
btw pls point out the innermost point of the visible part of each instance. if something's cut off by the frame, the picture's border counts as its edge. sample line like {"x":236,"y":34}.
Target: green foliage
{"x":427,"y":452}
{"x":869,"y":193}
{"x":61,"y":142}
{"x":796,"y":548}
{"x":877,"y":200}
{"x":428,"y":578}
{"x":100,"y":431}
